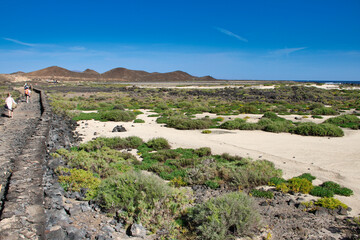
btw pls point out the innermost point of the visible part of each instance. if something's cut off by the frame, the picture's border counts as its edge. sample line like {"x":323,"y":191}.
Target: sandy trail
{"x":335,"y":159}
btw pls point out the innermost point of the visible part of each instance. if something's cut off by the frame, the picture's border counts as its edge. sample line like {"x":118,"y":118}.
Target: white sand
{"x":329,"y":159}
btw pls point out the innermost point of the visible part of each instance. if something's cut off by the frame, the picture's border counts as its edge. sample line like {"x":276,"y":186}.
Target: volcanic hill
{"x":116,"y":74}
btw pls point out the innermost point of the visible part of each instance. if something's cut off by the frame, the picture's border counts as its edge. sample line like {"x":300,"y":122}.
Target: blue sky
{"x":228,"y":39}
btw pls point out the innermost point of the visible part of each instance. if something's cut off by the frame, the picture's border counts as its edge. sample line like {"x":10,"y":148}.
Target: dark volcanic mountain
{"x":116,"y":74}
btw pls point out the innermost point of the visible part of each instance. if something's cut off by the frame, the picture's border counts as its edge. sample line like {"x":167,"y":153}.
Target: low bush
{"x":249,"y":126}
{"x":232,"y":124}
{"x":261,"y":194}
{"x":346,"y":121}
{"x":273,"y":116}
{"x":218,"y":119}
{"x":185,"y":123}
{"x":212,"y":184}
{"x":278,"y":126}
{"x":313,"y":129}
{"x":114,"y":143}
{"x":283,"y":187}
{"x":158,"y":144}
{"x":202,"y":152}
{"x":139,"y":121}
{"x":104,"y":161}
{"x":178,"y":182}
{"x":317,"y":116}
{"x":87,"y":116}
{"x":206,"y":131}
{"x":118,"y":116}
{"x":142,"y":198}
{"x":330,"y":203}
{"x":165,"y":154}
{"x":321,"y":192}
{"x":226,"y":217}
{"x":254,"y":174}
{"x":274,"y":181}
{"x":337,"y":189}
{"x":307,"y":176}
{"x":324,"y":111}
{"x":76,"y":179}
{"x":301,"y":185}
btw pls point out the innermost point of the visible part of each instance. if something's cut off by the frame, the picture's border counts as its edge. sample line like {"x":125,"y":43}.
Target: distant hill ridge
{"x":116,"y":74}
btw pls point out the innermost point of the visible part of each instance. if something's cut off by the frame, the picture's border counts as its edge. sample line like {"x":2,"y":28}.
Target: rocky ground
{"x":34,"y":205}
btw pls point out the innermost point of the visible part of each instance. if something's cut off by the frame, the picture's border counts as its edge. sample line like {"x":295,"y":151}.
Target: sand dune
{"x":335,"y":159}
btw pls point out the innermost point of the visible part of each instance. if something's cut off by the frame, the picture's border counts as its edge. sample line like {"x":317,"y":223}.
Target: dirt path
{"x":22,"y":150}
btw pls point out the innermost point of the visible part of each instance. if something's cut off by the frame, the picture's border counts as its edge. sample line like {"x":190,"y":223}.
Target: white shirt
{"x":9,"y":101}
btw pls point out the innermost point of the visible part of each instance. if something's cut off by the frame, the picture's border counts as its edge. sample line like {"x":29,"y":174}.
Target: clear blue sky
{"x":229,"y":39}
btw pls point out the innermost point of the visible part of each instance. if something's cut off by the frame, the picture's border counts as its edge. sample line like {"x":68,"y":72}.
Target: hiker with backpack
{"x":10,"y":105}
{"x":27,"y":94}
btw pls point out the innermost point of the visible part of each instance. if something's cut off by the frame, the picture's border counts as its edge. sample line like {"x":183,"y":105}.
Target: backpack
{"x":27,"y":92}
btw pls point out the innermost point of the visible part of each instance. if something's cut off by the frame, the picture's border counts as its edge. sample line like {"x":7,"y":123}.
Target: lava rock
{"x":75,"y":234}
{"x":119,"y":128}
{"x":137,"y":230}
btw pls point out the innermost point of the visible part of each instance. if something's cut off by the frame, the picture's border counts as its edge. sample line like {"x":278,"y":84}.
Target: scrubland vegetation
{"x":175,"y":107}
{"x":156,"y":190}
{"x":137,"y":191}
{"x":153,"y":191}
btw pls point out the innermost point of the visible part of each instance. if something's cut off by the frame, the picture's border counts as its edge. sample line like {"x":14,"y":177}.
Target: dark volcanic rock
{"x":119,"y":128}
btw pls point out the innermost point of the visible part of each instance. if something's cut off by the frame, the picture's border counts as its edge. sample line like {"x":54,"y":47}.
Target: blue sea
{"x":329,"y":81}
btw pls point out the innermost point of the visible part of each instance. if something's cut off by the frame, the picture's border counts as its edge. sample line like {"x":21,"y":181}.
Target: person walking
{"x":9,"y":105}
{"x":27,"y":94}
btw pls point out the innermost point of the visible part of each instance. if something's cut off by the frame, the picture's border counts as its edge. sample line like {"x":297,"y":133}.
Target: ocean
{"x":329,"y":81}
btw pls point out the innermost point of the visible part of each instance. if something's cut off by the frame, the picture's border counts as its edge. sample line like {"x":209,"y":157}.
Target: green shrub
{"x":254,"y":174}
{"x":212,"y":184}
{"x":250,"y":126}
{"x":178,"y":182}
{"x":88,"y":106}
{"x":185,"y":123}
{"x":277,"y":127}
{"x":331,"y":185}
{"x":273,"y":116}
{"x":165,"y":154}
{"x":103,"y":161}
{"x":161,"y":120}
{"x":114,"y":143}
{"x":283,"y":187}
{"x":300,"y":185}
{"x":337,"y":189}
{"x":202,"y":152}
{"x":218,"y":119}
{"x":118,"y":116}
{"x":307,"y":176}
{"x":76,"y":179}
{"x":261,"y":194}
{"x":226,"y":217}
{"x":232,"y":124}
{"x":346,"y":121}
{"x":321,"y":192}
{"x":139,"y":121}
{"x":158,"y":143}
{"x":324,"y":111}
{"x":119,"y":107}
{"x":330,"y":203}
{"x":142,"y":198}
{"x":344,"y":192}
{"x":206,"y":131}
{"x":274,"y":181}
{"x":313,"y":129}
{"x":87,"y":116}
